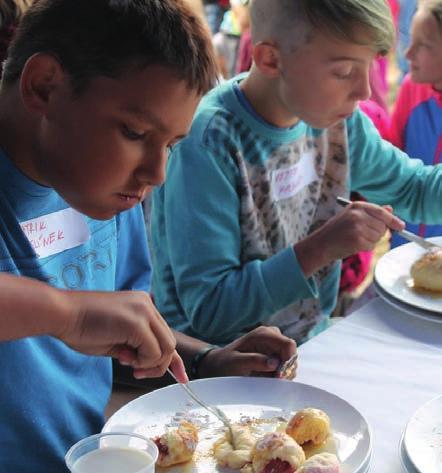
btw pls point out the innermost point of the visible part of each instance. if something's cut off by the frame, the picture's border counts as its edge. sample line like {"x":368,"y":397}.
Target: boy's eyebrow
{"x":145,"y":115}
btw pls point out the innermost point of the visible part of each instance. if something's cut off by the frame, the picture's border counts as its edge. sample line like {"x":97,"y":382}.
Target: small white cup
{"x":112,"y":453}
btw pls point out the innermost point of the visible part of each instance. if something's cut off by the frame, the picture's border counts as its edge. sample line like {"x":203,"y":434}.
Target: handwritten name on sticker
{"x":289,"y":181}
{"x":56,"y":232}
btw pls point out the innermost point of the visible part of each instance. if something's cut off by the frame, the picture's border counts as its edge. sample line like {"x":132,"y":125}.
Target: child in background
{"x":416,"y":124}
{"x":247,"y":229}
{"x":214,"y":11}
{"x":226,"y":41}
{"x":407,"y":9}
{"x":10,"y":13}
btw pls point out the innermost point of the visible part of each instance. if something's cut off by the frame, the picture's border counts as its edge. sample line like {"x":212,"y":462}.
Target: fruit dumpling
{"x":427,"y":271}
{"x":237,"y":452}
{"x":309,"y":425}
{"x":321,"y":463}
{"x":177,"y":445}
{"x":276,"y":452}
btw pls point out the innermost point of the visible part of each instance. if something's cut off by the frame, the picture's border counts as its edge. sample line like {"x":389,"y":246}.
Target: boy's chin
{"x":97,"y":213}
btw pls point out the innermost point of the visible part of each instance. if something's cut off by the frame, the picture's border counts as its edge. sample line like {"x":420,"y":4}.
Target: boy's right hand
{"x":357,"y":228}
{"x":125,"y":325}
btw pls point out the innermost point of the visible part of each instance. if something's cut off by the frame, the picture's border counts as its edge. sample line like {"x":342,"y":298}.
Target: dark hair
{"x":106,"y":37}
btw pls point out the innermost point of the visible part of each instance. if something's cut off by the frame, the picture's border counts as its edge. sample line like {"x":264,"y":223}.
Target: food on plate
{"x":321,"y":463}
{"x":237,"y":452}
{"x":276,"y":452}
{"x":309,"y":425}
{"x":427,"y":271}
{"x":177,"y":445}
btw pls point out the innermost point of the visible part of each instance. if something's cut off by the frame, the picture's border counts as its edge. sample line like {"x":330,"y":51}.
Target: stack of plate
{"x":394,"y":284}
{"x":420,"y":448}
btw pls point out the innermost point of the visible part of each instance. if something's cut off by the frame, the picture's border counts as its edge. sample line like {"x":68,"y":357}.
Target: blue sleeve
{"x":133,"y":270}
{"x":219,"y":294}
{"x":385,"y":175}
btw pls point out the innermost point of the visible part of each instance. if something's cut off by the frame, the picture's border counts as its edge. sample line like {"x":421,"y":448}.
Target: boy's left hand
{"x":260,"y":352}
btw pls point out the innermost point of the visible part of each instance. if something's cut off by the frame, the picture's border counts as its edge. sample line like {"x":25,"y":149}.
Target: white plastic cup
{"x":112,"y":453}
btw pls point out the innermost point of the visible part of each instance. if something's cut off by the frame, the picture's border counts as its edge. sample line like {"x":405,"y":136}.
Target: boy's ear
{"x":267,"y":59}
{"x":41,"y":76}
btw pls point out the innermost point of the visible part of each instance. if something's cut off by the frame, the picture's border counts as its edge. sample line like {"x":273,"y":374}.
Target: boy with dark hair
{"x":94,"y":94}
{"x":247,"y":229}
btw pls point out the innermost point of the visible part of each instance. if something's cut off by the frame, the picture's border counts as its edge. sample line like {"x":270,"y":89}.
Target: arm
{"x":124,"y":325}
{"x":385,"y":175}
{"x":29,"y":308}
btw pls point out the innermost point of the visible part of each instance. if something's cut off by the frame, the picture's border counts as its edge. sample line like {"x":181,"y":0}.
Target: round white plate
{"x":423,"y":437}
{"x":405,"y":461}
{"x":392,"y":273}
{"x":411,"y":310}
{"x":243,"y":397}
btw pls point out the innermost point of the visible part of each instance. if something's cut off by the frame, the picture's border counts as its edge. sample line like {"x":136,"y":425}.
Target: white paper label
{"x":56,"y":232}
{"x":289,"y":181}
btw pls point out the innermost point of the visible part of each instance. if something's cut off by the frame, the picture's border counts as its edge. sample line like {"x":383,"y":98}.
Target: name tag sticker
{"x":289,"y":181}
{"x":56,"y":232}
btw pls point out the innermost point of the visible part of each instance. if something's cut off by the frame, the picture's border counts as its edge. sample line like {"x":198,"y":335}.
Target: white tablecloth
{"x":385,"y":363}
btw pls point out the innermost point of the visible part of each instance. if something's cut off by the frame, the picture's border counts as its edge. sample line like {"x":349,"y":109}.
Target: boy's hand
{"x":357,"y":228}
{"x":124,"y":325}
{"x":261,"y":352}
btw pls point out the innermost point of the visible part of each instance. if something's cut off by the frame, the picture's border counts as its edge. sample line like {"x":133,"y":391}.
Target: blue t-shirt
{"x":52,"y":396}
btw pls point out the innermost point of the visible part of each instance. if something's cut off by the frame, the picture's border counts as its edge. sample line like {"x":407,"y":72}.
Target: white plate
{"x":239,"y":397}
{"x":411,"y":310}
{"x":405,"y":461}
{"x":423,"y":437}
{"x":392,"y":273}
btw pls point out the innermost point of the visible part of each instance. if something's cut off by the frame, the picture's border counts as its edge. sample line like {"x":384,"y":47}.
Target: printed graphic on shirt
{"x":56,"y":232}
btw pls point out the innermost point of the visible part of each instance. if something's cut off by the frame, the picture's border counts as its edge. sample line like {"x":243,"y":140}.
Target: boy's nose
{"x":153,"y":169}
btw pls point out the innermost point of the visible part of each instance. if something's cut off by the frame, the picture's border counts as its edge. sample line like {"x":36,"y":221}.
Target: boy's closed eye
{"x":131,"y":134}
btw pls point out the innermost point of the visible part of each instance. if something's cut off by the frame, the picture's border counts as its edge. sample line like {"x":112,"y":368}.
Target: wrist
{"x":198,"y":364}
{"x":312,"y":254}
{"x":64,"y":319}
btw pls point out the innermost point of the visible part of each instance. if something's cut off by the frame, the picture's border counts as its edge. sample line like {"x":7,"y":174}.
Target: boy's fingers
{"x":163,"y":334}
{"x":248,"y":362}
{"x":390,"y":220}
{"x":178,"y":369}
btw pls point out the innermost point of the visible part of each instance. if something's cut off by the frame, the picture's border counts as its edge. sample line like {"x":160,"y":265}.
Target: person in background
{"x":226,"y":42}
{"x":247,"y":229}
{"x":214,"y":11}
{"x":10,"y":13}
{"x":416,"y":124}
{"x":407,"y":9}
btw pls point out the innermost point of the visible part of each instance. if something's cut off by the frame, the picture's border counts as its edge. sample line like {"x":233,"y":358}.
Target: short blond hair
{"x":291,"y":22}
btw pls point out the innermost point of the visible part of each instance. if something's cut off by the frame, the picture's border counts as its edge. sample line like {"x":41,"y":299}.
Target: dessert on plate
{"x":427,"y":271}
{"x":309,"y":425}
{"x":321,"y":463}
{"x":177,"y":445}
{"x":237,"y":452}
{"x":275,"y":452}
